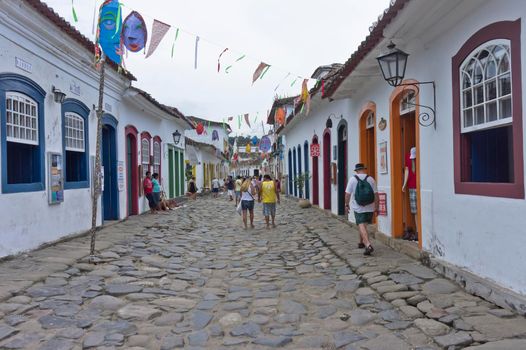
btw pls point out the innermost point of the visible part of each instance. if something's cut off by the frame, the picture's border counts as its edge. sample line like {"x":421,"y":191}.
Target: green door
{"x":171,"y":175}
{"x":181,"y":173}
{"x":177,"y":178}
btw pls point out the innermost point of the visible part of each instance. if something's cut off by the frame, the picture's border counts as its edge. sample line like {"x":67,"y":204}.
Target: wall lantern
{"x":177,"y":137}
{"x":393,"y":65}
{"x":328,"y":124}
{"x":58,"y":95}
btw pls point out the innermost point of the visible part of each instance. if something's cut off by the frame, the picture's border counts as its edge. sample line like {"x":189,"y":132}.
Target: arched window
{"x":486,"y":87}
{"x":22,"y":134}
{"x":145,"y":152}
{"x":487,"y":113}
{"x":75,"y":144}
{"x":157,"y":155}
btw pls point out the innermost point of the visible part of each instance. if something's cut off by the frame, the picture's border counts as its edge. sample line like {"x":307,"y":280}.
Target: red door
{"x":315,"y":177}
{"x":327,"y":169}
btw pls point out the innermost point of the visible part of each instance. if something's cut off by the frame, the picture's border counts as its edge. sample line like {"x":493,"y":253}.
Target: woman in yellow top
{"x":269,"y":194}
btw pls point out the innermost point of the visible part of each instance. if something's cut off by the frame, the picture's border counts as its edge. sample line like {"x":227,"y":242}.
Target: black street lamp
{"x":58,"y":95}
{"x":177,"y":137}
{"x":393,"y":65}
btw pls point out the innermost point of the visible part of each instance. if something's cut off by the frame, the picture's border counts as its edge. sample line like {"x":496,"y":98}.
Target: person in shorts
{"x":237,"y":189}
{"x":156,"y":190}
{"x":215,"y":187}
{"x":248,"y":191}
{"x":147,"y":186}
{"x":363,"y":214}
{"x":269,"y":195}
{"x":229,"y":183}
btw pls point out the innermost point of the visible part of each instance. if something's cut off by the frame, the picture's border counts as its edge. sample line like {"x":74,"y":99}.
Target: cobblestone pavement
{"x":194,"y":278}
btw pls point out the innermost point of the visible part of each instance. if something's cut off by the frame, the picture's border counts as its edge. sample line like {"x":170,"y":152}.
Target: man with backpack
{"x":362,"y":188}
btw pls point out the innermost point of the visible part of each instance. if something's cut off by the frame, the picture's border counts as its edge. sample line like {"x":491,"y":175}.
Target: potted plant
{"x":299,"y":182}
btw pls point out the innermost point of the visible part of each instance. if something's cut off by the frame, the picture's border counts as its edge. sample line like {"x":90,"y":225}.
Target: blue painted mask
{"x":110,"y":26}
{"x":134,"y":33}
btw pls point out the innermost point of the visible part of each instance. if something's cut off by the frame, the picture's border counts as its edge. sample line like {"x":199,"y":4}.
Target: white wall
{"x":27,"y":218}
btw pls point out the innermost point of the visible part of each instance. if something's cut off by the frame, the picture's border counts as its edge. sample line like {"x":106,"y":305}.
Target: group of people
{"x":153,"y":193}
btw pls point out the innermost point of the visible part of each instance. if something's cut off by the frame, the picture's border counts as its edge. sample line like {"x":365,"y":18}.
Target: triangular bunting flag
{"x":219,"y":59}
{"x":159,"y":30}
{"x":247,"y":120}
{"x":260,"y":71}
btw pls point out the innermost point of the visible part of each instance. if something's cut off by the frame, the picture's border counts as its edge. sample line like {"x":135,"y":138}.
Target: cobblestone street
{"x":194,"y":279}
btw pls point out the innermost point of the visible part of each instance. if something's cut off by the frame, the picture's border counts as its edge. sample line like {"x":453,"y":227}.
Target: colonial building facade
{"x":459,"y":106}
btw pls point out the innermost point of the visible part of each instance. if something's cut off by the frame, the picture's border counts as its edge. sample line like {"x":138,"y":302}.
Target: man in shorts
{"x":215,"y":187}
{"x":237,"y":189}
{"x":269,"y":195}
{"x":364,"y":213}
{"x":229,"y":184}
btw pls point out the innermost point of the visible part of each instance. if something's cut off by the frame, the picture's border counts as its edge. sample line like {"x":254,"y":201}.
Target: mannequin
{"x":410,"y":182}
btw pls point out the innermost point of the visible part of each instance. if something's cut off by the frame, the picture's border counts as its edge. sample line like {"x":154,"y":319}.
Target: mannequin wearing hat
{"x":410,"y":180}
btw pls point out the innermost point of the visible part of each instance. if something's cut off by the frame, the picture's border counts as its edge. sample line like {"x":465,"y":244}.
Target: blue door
{"x":110,"y":195}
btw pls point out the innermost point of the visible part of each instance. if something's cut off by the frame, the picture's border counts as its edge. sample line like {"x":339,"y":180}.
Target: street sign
{"x":315,"y":150}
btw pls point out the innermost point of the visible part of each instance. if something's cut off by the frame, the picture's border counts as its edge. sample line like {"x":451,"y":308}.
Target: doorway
{"x":307,"y":173}
{"x":342,"y":166}
{"x":295,"y":173}
{"x":132,"y":188}
{"x":110,"y":195}
{"x":300,"y":190}
{"x":290,"y":172}
{"x":315,"y":177}
{"x":368,"y":141}
{"x":171,"y":173}
{"x":405,"y":135}
{"x":327,"y":169}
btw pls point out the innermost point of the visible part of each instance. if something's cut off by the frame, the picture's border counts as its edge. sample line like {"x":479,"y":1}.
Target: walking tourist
{"x":156,"y":192}
{"x":230,"y":187}
{"x":237,"y":188}
{"x":269,"y":194}
{"x":147,"y":186}
{"x":192,"y":189}
{"x":215,"y":187}
{"x":362,"y":188}
{"x":247,"y":201}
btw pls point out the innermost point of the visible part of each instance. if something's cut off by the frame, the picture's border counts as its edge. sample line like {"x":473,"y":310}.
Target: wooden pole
{"x":96,"y":176}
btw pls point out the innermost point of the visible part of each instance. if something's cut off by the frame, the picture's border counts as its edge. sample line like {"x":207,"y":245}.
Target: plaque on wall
{"x":56,"y":178}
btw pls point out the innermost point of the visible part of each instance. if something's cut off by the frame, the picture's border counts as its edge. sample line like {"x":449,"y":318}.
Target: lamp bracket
{"x":428,"y":117}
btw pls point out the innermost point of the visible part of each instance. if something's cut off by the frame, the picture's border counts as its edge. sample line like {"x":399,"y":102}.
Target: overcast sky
{"x":294,"y":36}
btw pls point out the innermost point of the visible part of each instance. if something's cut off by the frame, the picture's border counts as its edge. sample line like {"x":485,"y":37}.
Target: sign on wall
{"x":56,"y":178}
{"x":383,"y":157}
{"x":120,"y":175}
{"x":315,"y":150}
{"x":382,"y":204}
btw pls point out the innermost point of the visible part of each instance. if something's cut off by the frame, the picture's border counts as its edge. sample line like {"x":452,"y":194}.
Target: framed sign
{"x":334,"y":152}
{"x":315,"y":150}
{"x":334,"y":173}
{"x":383,"y":157}
{"x":56,"y":178}
{"x":382,"y":204}
{"x":120,"y":175}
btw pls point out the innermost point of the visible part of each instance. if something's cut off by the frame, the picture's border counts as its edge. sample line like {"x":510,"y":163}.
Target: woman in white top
{"x":248,"y":192}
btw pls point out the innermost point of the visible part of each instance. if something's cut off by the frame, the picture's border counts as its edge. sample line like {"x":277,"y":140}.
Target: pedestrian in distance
{"x":147,"y":186}
{"x":192,"y":189}
{"x":237,"y":188}
{"x":364,"y":193}
{"x":230,"y":187}
{"x":269,"y":195}
{"x":248,"y":191}
{"x":215,"y":187}
{"x":156,"y":191}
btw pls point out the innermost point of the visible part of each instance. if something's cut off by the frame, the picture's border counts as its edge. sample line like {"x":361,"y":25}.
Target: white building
{"x":48,"y":140}
{"x":470,"y":167}
{"x":207,"y":152}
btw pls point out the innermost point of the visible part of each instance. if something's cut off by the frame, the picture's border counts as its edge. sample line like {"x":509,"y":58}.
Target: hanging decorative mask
{"x":215,"y":135}
{"x":280,"y":116}
{"x":200,"y":128}
{"x":109,"y":31}
{"x":134,"y":32}
{"x":254,"y":140}
{"x":248,"y":148}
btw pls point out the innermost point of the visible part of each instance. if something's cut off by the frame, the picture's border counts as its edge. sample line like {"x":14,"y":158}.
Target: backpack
{"x":363,"y":194}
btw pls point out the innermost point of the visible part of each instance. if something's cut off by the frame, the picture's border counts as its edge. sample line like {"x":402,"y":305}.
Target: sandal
{"x":361,"y":245}
{"x":369,"y":250}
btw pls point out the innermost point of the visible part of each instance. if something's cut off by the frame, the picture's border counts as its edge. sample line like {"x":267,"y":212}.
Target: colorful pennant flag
{"x":279,"y":116}
{"x":175,"y":39}
{"x":230,"y":119}
{"x":305,"y":95}
{"x":277,"y":86}
{"x":219,"y":59}
{"x":196,"y":48}
{"x":159,"y":30}
{"x":227,"y":69}
{"x":294,"y":82}
{"x":239,"y":121}
{"x":75,"y":18}
{"x":260,"y":71}
{"x":247,"y":120}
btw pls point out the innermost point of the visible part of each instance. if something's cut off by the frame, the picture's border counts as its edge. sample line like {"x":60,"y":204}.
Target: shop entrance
{"x":315,"y":177}
{"x":368,"y":142}
{"x":342,"y":166}
{"x":327,"y":169}
{"x":405,"y":135}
